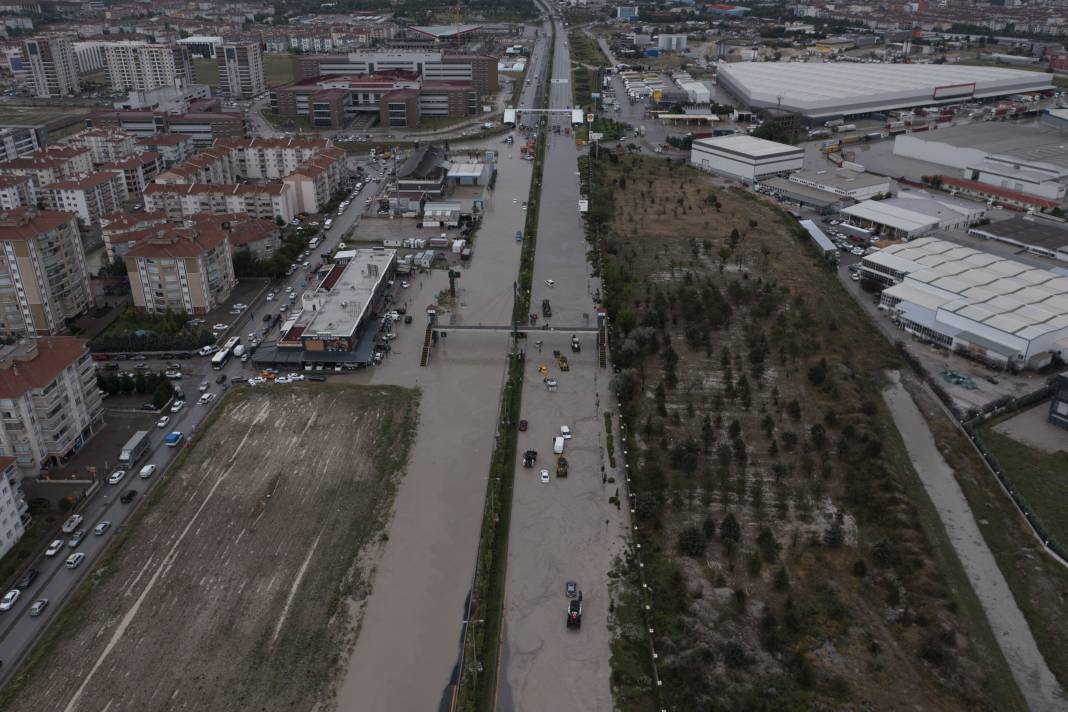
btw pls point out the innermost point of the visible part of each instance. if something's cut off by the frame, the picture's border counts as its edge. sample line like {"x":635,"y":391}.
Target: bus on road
{"x":223,"y":355}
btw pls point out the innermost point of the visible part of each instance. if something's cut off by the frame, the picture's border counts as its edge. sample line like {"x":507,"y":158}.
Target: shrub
{"x":692,"y":542}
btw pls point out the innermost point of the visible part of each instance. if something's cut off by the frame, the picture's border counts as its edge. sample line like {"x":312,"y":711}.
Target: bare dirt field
{"x":230,"y":588}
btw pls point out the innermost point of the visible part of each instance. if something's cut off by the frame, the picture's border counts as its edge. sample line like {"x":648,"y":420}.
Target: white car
{"x":178,"y":404}
{"x":116,"y":477}
{"x":241,"y":307}
{"x":162,"y":422}
{"x":74,"y":560}
{"x":550,"y":283}
{"x":404,"y":285}
{"x":206,"y":398}
{"x":220,"y":327}
{"x":270,"y":297}
{"x":544,"y":476}
{"x":147,"y":471}
{"x":565,"y":432}
{"x":102,"y":527}
{"x":203,"y":386}
{"x":54,"y":548}
{"x":9,"y":599}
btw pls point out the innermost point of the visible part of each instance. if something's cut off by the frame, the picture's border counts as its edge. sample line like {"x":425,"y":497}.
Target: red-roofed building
{"x":1002,"y":196}
{"x":16,"y":192}
{"x":181,"y":269}
{"x":89,"y":196}
{"x":49,"y":401}
{"x":331,"y":101}
{"x":122,"y":230}
{"x":44,"y":281}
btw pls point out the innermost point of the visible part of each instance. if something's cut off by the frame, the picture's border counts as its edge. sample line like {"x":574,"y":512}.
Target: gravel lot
{"x":238,"y":568}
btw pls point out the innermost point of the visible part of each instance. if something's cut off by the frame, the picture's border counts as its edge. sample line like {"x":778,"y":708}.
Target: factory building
{"x":996,"y":310}
{"x":745,"y":157}
{"x":819,"y":91}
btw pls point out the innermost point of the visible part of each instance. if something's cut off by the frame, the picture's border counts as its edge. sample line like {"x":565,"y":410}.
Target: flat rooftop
{"x":813,"y":196}
{"x":338,"y":310}
{"x":1029,"y":140}
{"x":748,"y":146}
{"x":817,"y":89}
{"x":1002,"y":294}
{"x":1034,"y":233}
{"x":842,"y":178}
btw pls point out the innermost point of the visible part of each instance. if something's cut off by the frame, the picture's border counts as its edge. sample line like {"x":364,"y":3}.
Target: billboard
{"x":953,"y":91}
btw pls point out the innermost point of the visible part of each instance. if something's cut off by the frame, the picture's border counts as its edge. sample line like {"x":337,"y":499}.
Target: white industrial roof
{"x":833,"y":88}
{"x":897,"y":217}
{"x":747,"y":145}
{"x":1001,"y":294}
{"x":465,"y":170}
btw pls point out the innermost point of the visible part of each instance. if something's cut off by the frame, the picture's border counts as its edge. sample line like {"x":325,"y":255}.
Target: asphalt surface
{"x":564,"y":529}
{"x":18,"y":630}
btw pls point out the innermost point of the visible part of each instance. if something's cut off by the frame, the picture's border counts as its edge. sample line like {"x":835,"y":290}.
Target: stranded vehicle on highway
{"x":574,"y":612}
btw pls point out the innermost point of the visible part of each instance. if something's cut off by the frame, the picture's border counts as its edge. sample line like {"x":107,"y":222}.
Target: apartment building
{"x":21,"y":141}
{"x":311,"y":171}
{"x":137,"y":172}
{"x":44,"y":280}
{"x":104,"y":145}
{"x":122,"y":230}
{"x":14,"y":512}
{"x":316,"y":180}
{"x":172,"y":148}
{"x":50,"y":164}
{"x":241,"y":70}
{"x":140,"y":66}
{"x":188,"y":269}
{"x":52,"y":65}
{"x":49,"y":401}
{"x":89,"y":196}
{"x":16,"y":191}
{"x":267,"y":200}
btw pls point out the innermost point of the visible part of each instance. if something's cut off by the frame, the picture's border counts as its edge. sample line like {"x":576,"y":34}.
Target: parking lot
{"x":240,"y":565}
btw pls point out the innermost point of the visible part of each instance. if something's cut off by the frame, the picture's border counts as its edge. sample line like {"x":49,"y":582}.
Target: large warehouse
{"x":998,"y":310}
{"x":820,"y":91}
{"x":745,"y":157}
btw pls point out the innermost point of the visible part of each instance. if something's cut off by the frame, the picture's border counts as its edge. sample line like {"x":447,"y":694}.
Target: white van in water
{"x":558,"y":445}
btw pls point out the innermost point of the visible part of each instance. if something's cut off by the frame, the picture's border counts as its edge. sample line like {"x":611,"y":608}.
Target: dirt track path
{"x":1037,"y":683}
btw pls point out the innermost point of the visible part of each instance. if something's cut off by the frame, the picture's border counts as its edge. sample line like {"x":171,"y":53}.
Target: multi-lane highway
{"x":18,"y":630}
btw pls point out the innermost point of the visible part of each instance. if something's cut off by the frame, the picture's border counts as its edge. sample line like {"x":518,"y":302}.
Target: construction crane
{"x":458,"y":26}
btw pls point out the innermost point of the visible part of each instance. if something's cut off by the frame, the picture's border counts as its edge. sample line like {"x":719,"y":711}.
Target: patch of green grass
{"x":286,"y":122}
{"x":32,"y":540}
{"x":277,"y":69}
{"x":1040,"y":478}
{"x":1000,"y":686}
{"x":609,"y":440}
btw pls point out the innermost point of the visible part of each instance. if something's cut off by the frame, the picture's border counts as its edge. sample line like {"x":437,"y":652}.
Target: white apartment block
{"x":105,"y":145}
{"x":90,"y":196}
{"x":139,"y":66}
{"x":269,"y":200}
{"x":240,"y":67}
{"x":90,"y":55}
{"x":14,"y":512}
{"x":53,"y":66}
{"x":20,"y":141}
{"x":49,"y":401}
{"x":16,"y":192}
